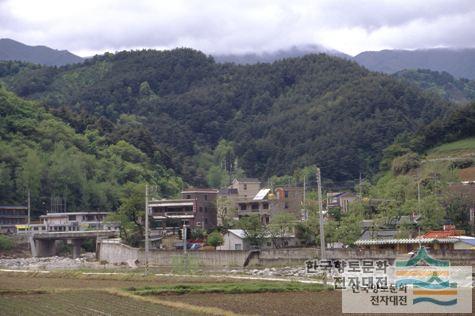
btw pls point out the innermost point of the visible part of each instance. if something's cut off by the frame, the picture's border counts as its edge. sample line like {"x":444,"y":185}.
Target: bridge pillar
{"x":76,"y":248}
{"x":45,"y":248}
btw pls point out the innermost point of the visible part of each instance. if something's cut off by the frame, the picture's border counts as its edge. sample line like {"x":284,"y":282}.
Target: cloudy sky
{"x":226,"y":26}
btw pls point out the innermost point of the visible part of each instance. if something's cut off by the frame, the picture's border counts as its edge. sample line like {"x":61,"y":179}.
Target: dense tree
{"x":41,"y":154}
{"x":271,"y":118}
{"x":214,"y":239}
{"x":254,"y":231}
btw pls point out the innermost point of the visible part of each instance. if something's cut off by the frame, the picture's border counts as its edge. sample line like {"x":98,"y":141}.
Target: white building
{"x":235,"y":239}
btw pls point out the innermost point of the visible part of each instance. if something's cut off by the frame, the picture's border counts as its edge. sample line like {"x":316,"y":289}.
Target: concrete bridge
{"x":43,"y":244}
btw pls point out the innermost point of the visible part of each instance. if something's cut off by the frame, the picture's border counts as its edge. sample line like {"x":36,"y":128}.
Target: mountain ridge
{"x":11,"y":50}
{"x":459,"y":62}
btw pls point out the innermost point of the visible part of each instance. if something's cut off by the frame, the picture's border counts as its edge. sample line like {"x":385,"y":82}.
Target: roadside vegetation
{"x":229,"y":288}
{"x":5,"y":243}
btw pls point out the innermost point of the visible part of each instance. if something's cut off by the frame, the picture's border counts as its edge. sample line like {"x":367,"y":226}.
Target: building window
{"x":237,"y":247}
{"x":254,"y":206}
{"x":245,"y":186}
{"x":206,"y":197}
{"x":286,"y":205}
{"x":206,"y":221}
{"x":188,"y":196}
{"x":286,"y":193}
{"x":72,"y":217}
{"x":242,"y":207}
{"x":206,"y":210}
{"x":265,"y":206}
{"x":201,"y":209}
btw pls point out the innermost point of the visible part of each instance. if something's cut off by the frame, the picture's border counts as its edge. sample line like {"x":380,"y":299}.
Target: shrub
{"x":215,"y":239}
{"x":461,"y":164}
{"x":405,"y":163}
{"x":5,"y":243}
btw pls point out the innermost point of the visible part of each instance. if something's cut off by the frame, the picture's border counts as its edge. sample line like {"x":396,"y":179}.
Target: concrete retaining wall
{"x":117,"y":253}
{"x":114,"y":252}
{"x":285,"y":256}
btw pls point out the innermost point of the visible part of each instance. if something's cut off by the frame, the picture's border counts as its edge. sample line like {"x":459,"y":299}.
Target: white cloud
{"x":352,"y":26}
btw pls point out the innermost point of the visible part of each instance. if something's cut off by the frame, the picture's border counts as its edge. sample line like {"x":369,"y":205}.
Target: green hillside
{"x":424,"y":165}
{"x":442,"y":84}
{"x":458,"y":149}
{"x":277,"y":117}
{"x":40,"y":153}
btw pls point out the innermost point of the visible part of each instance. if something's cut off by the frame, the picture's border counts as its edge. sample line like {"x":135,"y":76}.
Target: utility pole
{"x":320,"y":206}
{"x":146,"y":229}
{"x":184,"y":238}
{"x":305,"y":215}
{"x":418,"y":192}
{"x":360,"y":189}
{"x":29,"y":209}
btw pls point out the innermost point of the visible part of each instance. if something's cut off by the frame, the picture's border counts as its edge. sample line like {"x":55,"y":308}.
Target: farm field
{"x":76,"y":294}
{"x":36,"y":294}
{"x":85,"y":302}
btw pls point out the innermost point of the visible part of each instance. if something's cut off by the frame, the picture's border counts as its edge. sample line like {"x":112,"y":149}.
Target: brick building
{"x":196,"y":208}
{"x":267,"y":203}
{"x":10,"y":216}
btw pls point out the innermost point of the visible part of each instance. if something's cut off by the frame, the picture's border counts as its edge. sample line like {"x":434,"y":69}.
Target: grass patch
{"x":229,"y":288}
{"x":466,"y":145}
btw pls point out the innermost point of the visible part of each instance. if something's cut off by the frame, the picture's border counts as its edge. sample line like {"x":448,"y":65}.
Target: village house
{"x":196,"y":209}
{"x":267,"y":204}
{"x":246,"y":187}
{"x":240,"y":190}
{"x":406,"y":245}
{"x":341,"y":200}
{"x":440,"y":240}
{"x":235,"y":239}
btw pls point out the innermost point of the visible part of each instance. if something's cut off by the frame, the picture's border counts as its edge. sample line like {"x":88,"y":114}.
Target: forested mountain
{"x":457,"y":62}
{"x":277,"y":117}
{"x":271,"y":56}
{"x":441,"y":83}
{"x":419,"y":172}
{"x":13,"y":50}
{"x":40,"y":153}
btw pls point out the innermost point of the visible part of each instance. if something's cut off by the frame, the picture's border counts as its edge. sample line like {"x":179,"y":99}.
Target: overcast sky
{"x":223,"y":26}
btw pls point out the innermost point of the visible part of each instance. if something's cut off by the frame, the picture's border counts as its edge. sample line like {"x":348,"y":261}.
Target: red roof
{"x":442,"y":233}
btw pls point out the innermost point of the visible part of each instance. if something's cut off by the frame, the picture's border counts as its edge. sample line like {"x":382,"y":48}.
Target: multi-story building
{"x":246,"y":188}
{"x":196,"y":208}
{"x":10,"y":216}
{"x":266,"y":203}
{"x":240,"y":190}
